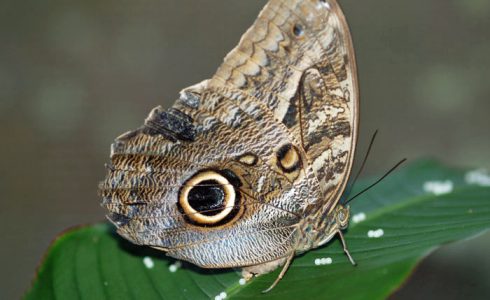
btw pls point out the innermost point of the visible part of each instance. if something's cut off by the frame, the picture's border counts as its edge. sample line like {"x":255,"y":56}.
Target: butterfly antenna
{"x":377,"y":181}
{"x":371,"y":143}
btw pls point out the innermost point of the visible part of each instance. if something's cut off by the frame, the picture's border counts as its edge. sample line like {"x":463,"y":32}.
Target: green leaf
{"x":94,"y":263}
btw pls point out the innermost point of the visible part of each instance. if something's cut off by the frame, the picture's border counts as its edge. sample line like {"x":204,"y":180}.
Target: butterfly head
{"x":342,"y":216}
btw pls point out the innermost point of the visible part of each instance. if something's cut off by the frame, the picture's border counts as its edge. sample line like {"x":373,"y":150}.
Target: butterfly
{"x":247,"y":168}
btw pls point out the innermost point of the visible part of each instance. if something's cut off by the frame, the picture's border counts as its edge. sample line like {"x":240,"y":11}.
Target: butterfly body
{"x":247,"y":168}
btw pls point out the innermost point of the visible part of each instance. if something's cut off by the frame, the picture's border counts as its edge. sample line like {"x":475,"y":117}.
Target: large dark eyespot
{"x":208,"y":198}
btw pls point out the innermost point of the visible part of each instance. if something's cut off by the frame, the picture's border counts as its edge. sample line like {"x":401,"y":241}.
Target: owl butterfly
{"x":246,"y":169}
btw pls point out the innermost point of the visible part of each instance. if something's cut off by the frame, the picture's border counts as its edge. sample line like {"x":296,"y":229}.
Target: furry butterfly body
{"x":247,"y":168}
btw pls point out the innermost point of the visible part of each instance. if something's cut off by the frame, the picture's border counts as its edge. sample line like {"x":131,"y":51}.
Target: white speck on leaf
{"x":478,"y":177}
{"x":357,"y":218}
{"x":175,"y":266}
{"x":149,"y":264}
{"x":439,"y":187}
{"x":327,"y":261}
{"x":375,"y":233}
{"x":221,"y":296}
{"x":323,"y":261}
{"x":242,"y":281}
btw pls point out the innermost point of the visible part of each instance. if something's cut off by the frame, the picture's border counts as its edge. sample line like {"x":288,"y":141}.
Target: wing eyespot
{"x":298,"y":31}
{"x":248,"y":159}
{"x":209,"y":198}
{"x":288,"y":158}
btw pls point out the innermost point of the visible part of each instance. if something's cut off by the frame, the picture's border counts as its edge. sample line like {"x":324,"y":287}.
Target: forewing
{"x":298,"y":60}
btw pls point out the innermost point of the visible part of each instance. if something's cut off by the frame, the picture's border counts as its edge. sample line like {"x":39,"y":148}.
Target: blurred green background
{"x":75,"y":74}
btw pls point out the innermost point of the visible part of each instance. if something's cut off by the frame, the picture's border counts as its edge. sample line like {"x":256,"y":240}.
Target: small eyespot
{"x":298,"y":30}
{"x":209,"y":198}
{"x":288,"y":158}
{"x":248,"y":159}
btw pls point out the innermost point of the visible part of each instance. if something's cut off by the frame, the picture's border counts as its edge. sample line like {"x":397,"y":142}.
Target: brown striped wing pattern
{"x":232,"y":172}
{"x":298,"y":61}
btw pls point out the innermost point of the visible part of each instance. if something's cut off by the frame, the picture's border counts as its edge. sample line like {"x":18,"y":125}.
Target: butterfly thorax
{"x":316,"y":230}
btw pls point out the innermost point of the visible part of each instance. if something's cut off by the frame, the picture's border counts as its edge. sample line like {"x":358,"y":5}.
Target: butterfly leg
{"x":345,"y":248}
{"x":281,"y":275}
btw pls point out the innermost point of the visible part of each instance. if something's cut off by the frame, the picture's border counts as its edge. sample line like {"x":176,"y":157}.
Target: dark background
{"x":75,"y":74}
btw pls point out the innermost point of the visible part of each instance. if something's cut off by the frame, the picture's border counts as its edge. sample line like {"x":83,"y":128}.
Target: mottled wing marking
{"x":268,"y":62}
{"x":329,"y":109}
{"x":291,"y":80}
{"x":308,"y":81}
{"x":150,"y":164}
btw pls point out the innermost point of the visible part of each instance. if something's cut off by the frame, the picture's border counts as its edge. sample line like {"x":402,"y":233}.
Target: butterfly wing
{"x":152,"y":166}
{"x":298,"y":60}
{"x":262,"y":136}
